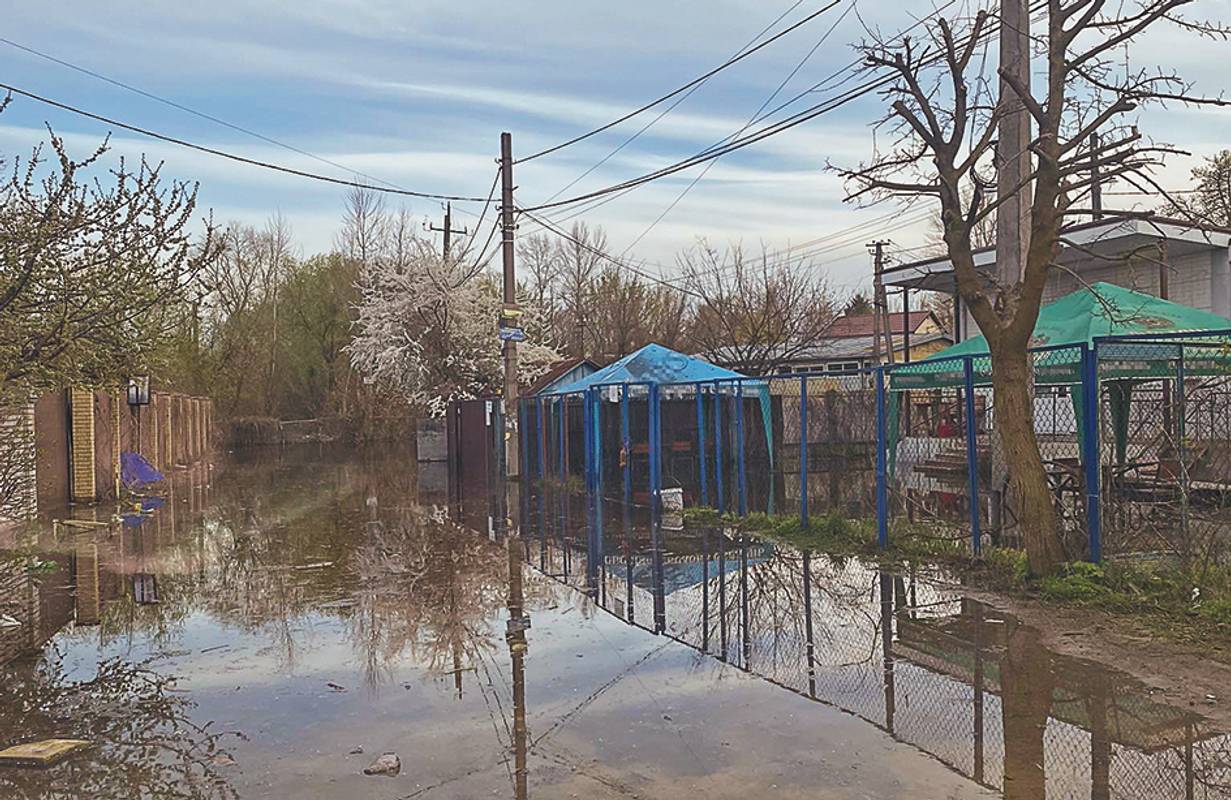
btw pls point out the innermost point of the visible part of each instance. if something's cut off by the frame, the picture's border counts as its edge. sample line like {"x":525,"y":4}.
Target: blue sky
{"x":417,"y":93}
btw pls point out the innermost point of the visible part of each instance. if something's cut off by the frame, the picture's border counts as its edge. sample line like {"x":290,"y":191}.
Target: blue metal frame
{"x":542,"y":439}
{"x":803,"y":452}
{"x":700,"y":402}
{"x":882,"y":466}
{"x":741,"y":470}
{"x":972,"y":457}
{"x":563,"y":433}
{"x":1091,"y":451}
{"x":626,"y":446}
{"x":655,"y":455}
{"x":719,"y":477}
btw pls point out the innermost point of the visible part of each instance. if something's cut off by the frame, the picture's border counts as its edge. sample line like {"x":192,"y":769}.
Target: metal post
{"x":718,"y":437}
{"x":626,"y":447}
{"x":563,"y":432}
{"x":1091,"y":452}
{"x":1180,"y":431}
{"x":972,"y":456}
{"x":542,"y":436}
{"x":741,"y":471}
{"x":597,"y":414}
{"x":587,"y":443}
{"x":882,"y":466}
{"x":700,"y":401}
{"x":655,"y":465}
{"x":803,"y":453}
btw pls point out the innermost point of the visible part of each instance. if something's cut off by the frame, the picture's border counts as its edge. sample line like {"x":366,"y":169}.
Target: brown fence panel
{"x":106,"y":441}
{"x":51,"y":441}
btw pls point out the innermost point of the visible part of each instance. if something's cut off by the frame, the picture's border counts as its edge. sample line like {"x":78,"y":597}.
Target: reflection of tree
{"x":1026,"y":682}
{"x":424,"y":587}
{"x":143,"y":743}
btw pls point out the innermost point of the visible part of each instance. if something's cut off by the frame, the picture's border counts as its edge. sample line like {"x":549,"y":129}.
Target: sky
{"x":416,"y":94}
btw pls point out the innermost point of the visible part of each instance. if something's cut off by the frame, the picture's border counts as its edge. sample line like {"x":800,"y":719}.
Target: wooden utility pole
{"x":1012,"y":149}
{"x":512,"y":432}
{"x":447,"y":230}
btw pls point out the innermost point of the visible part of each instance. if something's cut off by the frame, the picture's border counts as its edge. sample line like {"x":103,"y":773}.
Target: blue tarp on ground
{"x":136,"y":472}
{"x":651,"y":364}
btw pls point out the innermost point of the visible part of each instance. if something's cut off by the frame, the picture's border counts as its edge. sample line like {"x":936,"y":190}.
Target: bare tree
{"x":628,"y":314}
{"x":1210,"y":200}
{"x":755,"y":314}
{"x":579,"y":260}
{"x":944,"y":126}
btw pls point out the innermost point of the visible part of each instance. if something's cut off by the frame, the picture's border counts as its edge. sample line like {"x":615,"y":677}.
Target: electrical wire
{"x":232,"y":156}
{"x":694,"y":82}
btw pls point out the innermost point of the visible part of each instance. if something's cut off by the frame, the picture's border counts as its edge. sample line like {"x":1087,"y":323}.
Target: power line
{"x":694,"y":82}
{"x":792,"y":121}
{"x":232,"y":156}
{"x":666,"y":110}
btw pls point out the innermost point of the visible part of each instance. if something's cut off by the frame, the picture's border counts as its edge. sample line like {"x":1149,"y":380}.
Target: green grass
{"x":1158,"y":593}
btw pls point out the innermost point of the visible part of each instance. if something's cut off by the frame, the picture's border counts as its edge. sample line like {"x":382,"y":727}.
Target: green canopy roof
{"x":1076,"y":319}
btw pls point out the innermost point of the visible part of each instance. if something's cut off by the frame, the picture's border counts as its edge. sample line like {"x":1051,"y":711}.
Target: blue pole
{"x":542,"y":437}
{"x":739,"y":436}
{"x":597,"y":413}
{"x":524,"y":456}
{"x":563,"y":427}
{"x":803,"y":452}
{"x":655,"y":465}
{"x":705,"y":489}
{"x":718,"y":437}
{"x":626,"y":446}
{"x":587,"y":440}
{"x":972,"y":456}
{"x":1091,"y":450}
{"x":882,"y":466}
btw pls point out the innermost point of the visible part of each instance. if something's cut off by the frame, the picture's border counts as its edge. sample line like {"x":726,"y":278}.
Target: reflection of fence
{"x":945,"y":674}
{"x":1134,"y":434}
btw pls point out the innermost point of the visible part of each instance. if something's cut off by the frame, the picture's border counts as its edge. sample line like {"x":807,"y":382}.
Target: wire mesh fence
{"x":1134,"y":436}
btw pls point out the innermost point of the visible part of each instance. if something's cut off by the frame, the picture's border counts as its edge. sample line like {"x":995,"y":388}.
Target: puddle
{"x":288,"y":609}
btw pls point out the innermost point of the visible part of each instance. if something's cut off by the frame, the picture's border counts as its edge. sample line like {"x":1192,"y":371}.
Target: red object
{"x":946,"y":430}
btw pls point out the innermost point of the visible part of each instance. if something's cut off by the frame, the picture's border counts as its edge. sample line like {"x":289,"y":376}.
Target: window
{"x":842,"y":367}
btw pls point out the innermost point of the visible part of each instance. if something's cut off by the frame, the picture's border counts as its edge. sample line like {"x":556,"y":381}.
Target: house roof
{"x":651,"y":364}
{"x":557,"y":371}
{"x":849,"y":325}
{"x":859,"y":347}
{"x":1105,"y":239}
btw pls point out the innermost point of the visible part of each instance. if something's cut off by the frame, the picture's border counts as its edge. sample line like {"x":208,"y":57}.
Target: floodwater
{"x":284,"y":610}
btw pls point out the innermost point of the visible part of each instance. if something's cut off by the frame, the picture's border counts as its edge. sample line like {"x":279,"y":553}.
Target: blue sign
{"x":512,"y":335}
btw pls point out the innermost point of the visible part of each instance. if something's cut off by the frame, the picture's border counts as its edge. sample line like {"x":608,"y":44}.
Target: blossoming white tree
{"x":427,"y":329}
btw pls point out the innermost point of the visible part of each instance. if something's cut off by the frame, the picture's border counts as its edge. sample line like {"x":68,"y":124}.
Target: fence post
{"x":562,"y":426}
{"x":1091,"y":452}
{"x":882,"y":467}
{"x":626,"y":447}
{"x":972,"y":455}
{"x":718,"y":437}
{"x":522,"y":419}
{"x":655,"y":454}
{"x":542,"y":437}
{"x":741,"y":472}
{"x":587,"y":440}
{"x":1181,"y":411}
{"x":700,"y":400}
{"x":803,"y":452}
{"x":597,"y":414}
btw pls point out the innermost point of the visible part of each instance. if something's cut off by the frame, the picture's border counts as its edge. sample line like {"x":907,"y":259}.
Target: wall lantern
{"x":139,"y":390}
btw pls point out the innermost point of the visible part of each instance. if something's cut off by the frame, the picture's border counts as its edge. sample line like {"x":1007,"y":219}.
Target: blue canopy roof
{"x":651,"y":364}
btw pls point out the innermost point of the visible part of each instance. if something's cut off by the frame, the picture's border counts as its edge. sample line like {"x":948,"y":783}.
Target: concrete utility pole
{"x":1012,"y":149}
{"x":880,"y":305}
{"x":447,"y":230}
{"x":1096,"y":185}
{"x":513,"y":434}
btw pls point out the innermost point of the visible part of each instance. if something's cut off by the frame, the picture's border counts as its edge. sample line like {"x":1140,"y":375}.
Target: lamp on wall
{"x":139,"y":390}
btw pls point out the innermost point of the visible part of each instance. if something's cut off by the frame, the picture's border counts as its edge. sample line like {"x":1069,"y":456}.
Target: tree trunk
{"x":1014,"y":409}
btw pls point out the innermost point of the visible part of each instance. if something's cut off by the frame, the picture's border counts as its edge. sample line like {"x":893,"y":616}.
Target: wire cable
{"x":232,"y":156}
{"x":695,"y":81}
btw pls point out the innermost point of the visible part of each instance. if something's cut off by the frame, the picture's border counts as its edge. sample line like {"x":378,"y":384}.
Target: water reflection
{"x":969,"y":685}
{"x":317,"y":603}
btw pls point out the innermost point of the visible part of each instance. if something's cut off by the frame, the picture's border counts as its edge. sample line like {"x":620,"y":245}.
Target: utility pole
{"x":511,"y":311}
{"x":1012,"y":149}
{"x":1096,"y":182}
{"x":880,"y":305}
{"x":447,"y":230}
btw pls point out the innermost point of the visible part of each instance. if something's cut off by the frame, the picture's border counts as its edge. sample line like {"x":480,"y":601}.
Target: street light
{"x":139,"y":390}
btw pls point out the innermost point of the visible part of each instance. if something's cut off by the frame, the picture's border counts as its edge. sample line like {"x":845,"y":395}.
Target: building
{"x":849,"y":344}
{"x":561,"y":373}
{"x":1166,"y":258}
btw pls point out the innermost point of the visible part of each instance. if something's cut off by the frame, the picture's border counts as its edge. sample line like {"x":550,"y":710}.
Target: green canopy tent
{"x":1101,"y":311}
